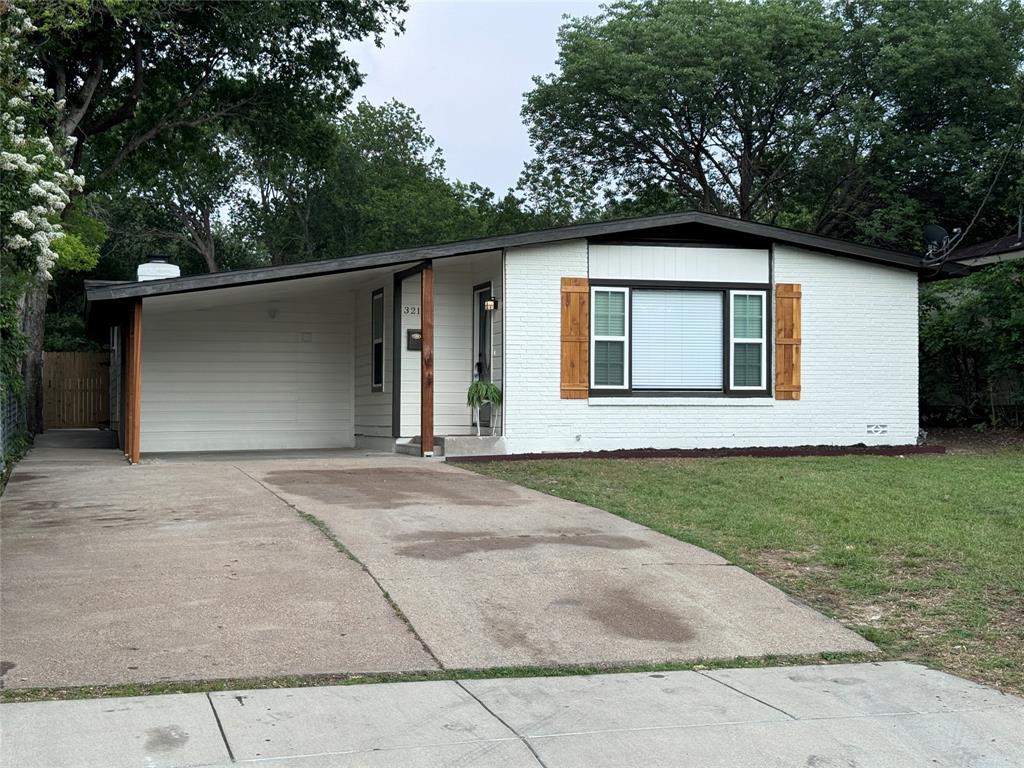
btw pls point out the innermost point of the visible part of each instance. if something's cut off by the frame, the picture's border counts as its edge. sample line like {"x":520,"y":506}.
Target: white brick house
{"x":678,"y":331}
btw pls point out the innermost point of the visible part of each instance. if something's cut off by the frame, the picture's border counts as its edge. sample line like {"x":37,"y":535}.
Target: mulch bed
{"x":715,"y":453}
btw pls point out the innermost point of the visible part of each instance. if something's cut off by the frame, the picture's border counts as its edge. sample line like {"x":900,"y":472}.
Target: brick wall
{"x":859,"y":356}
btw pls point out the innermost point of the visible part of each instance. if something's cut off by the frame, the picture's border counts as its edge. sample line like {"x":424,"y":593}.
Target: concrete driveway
{"x":197,"y":568}
{"x":493,"y":574}
{"x":113,"y":573}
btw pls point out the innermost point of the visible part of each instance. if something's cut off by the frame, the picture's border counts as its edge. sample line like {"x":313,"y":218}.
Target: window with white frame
{"x":668,"y":339}
{"x":609,"y":332}
{"x":377,"y":335}
{"x":748,"y":342}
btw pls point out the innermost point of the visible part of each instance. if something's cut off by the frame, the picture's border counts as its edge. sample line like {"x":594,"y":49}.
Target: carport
{"x":256,"y":360}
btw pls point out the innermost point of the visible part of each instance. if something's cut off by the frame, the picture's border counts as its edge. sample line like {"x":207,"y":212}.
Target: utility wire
{"x":988,"y":193}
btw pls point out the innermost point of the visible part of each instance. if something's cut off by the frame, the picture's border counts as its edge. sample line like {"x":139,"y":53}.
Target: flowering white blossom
{"x":35,"y":183}
{"x":22,"y":219}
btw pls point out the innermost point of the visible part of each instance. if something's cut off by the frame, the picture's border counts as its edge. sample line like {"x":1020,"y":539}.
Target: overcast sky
{"x":464,"y":66}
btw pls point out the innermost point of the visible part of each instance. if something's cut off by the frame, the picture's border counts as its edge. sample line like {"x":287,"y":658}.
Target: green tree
{"x":863,"y":119}
{"x":933,"y":103}
{"x":714,"y":102}
{"x":131,"y":72}
{"x":372,"y":180}
{"x":972,"y":344}
{"x":187,"y":184}
{"x":35,"y":188}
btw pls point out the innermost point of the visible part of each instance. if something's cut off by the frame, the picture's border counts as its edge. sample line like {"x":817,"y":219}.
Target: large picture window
{"x":677,"y":339}
{"x":669,"y":339}
{"x":377,"y":334}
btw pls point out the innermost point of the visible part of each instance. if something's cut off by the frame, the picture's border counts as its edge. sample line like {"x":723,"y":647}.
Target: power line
{"x":988,"y":193}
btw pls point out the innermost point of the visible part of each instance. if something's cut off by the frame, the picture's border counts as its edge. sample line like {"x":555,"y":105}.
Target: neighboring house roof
{"x":990,"y":252}
{"x":668,"y":226}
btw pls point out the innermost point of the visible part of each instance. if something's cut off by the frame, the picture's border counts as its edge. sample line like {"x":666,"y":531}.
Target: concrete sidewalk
{"x":880,"y":715}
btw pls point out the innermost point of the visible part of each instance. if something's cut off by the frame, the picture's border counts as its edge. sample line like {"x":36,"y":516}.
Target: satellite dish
{"x":935,"y":237}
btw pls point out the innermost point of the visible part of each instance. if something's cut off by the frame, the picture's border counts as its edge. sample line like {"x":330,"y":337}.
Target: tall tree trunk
{"x":210,"y":257}
{"x":33,"y":324}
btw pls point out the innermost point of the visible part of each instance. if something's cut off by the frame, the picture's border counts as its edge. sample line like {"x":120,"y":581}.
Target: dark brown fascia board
{"x":996,"y":247}
{"x":467,"y":247}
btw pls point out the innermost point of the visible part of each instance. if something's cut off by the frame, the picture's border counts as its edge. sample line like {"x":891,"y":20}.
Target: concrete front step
{"x":413,"y":447}
{"x":470,"y":445}
{"x":455,"y":445}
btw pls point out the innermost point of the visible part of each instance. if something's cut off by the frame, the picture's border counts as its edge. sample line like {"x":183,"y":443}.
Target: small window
{"x":377,"y":332}
{"x":609,"y":327}
{"x":748,"y":342}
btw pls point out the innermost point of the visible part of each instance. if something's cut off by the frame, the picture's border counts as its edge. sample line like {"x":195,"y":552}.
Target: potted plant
{"x":480,"y":394}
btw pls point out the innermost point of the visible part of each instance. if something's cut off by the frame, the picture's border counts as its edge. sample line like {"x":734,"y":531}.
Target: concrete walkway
{"x":890,"y":715}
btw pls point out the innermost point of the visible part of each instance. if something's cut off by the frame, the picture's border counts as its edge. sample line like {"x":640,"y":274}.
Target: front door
{"x":482,"y":344}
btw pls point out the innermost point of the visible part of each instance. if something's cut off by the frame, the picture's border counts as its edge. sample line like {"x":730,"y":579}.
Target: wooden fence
{"x":76,"y":389}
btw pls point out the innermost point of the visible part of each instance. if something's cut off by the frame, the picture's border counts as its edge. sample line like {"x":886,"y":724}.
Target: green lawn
{"x":923,"y":555}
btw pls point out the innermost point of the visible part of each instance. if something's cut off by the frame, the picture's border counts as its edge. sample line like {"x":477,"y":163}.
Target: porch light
{"x":490,"y":304}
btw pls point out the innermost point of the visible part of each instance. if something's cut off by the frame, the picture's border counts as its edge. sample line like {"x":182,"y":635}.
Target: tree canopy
{"x":972,"y":346}
{"x":125,"y":74}
{"x":130,"y":71}
{"x":862,"y":119}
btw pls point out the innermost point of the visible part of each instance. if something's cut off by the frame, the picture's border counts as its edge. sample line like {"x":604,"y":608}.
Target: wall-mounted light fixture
{"x":490,"y":304}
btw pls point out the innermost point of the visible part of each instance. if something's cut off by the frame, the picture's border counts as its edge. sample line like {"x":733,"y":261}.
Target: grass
{"x":12,"y":695}
{"x":923,"y":555}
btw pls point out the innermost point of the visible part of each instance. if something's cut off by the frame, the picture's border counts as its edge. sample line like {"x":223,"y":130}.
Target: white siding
{"x":232,"y":377}
{"x":682,"y":264}
{"x":488,"y":268}
{"x":859,"y":360}
{"x":410,"y":379}
{"x":453,"y":346}
{"x":453,"y":342}
{"x":373,"y":409}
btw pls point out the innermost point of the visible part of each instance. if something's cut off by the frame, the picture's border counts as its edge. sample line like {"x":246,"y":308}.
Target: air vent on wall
{"x":878,"y":429}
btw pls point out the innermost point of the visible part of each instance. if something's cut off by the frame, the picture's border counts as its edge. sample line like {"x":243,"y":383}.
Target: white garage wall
{"x":233,"y":377}
{"x":859,"y":360}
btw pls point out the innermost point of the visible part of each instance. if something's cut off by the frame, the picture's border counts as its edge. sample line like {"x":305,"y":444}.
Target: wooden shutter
{"x":575,"y":338}
{"x":787,"y":341}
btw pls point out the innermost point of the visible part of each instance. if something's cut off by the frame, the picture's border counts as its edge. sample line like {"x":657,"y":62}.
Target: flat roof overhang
{"x":691,"y":226}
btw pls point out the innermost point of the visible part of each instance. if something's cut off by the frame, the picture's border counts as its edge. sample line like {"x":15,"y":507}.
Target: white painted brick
{"x":859,"y":365}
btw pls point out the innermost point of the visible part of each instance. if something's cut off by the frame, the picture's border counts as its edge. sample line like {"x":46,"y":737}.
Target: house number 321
{"x":409,"y":310}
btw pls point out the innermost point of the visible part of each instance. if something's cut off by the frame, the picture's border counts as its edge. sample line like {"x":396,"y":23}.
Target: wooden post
{"x":427,"y":360}
{"x":133,"y":384}
{"x":126,"y":383}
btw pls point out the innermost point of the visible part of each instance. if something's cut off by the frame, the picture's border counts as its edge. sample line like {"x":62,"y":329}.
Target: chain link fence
{"x":12,"y":424}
